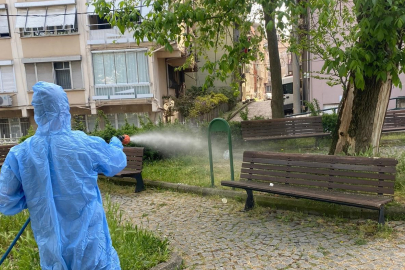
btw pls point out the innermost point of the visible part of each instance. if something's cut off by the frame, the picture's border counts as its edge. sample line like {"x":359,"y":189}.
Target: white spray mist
{"x":170,"y":141}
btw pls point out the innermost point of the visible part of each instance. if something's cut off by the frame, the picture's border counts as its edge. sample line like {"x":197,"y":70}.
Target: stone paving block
{"x":210,"y":235}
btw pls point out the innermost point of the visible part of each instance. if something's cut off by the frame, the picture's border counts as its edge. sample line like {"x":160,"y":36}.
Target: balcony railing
{"x":112,"y":35}
{"x":127,"y":91}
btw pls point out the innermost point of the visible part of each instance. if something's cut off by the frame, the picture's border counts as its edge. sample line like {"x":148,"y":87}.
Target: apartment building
{"x":65,"y":42}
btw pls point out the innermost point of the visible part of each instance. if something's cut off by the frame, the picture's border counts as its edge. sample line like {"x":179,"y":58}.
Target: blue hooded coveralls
{"x":54,"y":175}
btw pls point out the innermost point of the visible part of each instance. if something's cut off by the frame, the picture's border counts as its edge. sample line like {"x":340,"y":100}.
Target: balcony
{"x":108,"y":36}
{"x":122,"y":91}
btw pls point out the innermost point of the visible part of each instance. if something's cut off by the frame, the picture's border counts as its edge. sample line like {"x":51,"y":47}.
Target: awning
{"x":3,"y":22}
{"x":35,"y":17}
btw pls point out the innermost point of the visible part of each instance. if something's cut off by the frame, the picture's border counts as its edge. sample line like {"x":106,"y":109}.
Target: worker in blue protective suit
{"x":54,"y":175}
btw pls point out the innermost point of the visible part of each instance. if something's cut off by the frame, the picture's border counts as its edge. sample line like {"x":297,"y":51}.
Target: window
{"x":7,"y":81}
{"x":117,"y":120}
{"x":67,"y":74}
{"x":47,"y":21}
{"x":62,"y":74}
{"x":14,"y":127}
{"x":97,"y":23}
{"x":4,"y":27}
{"x":121,"y":74}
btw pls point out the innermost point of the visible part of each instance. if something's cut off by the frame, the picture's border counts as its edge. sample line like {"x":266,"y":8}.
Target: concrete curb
{"x":286,"y":203}
{"x":174,"y":263}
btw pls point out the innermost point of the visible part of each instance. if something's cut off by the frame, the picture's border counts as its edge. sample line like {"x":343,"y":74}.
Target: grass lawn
{"x":136,"y":248}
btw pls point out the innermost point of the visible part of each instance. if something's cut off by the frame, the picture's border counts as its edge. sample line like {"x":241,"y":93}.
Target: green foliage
{"x":204,"y":104}
{"x":197,"y":100}
{"x":78,"y":123}
{"x":258,"y":117}
{"x":198,"y":27}
{"x":31,"y":132}
{"x":361,"y":40}
{"x":244,"y":114}
{"x":313,"y":107}
{"x":329,"y":122}
{"x":136,"y":248}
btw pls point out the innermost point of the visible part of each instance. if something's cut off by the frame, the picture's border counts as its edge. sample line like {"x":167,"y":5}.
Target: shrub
{"x":329,"y":122}
{"x":313,"y":107}
{"x":204,"y":104}
{"x":31,"y":132}
{"x":244,"y":114}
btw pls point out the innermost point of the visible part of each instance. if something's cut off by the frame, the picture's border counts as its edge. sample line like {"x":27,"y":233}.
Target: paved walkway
{"x":257,"y":108}
{"x":211,"y":234}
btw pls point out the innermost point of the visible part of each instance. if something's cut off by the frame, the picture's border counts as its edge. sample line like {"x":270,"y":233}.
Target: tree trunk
{"x":277,"y":110}
{"x":361,"y":117}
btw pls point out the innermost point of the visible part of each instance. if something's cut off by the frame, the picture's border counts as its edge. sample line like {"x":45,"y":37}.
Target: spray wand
{"x":123,"y":138}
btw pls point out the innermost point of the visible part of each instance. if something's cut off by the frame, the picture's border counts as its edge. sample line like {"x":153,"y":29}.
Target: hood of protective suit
{"x":51,"y":108}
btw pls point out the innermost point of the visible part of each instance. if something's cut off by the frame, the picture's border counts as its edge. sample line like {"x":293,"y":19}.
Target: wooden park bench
{"x":355,"y":181}
{"x":133,"y":168}
{"x":394,"y":121}
{"x":283,"y":128}
{"x":4,"y":149}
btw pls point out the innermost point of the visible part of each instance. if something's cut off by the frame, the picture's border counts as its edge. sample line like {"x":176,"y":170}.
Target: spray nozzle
{"x":124,"y":139}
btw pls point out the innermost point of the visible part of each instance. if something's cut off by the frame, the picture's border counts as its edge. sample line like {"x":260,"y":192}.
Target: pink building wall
{"x":329,"y":96}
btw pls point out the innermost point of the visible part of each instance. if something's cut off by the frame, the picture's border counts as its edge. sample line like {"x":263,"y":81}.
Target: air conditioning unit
{"x":5,"y":100}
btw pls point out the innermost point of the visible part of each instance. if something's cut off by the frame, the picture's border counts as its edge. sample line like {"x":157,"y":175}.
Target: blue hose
{"x":14,"y":241}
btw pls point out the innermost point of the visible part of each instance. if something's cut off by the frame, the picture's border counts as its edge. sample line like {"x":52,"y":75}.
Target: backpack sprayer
{"x":123,"y":138}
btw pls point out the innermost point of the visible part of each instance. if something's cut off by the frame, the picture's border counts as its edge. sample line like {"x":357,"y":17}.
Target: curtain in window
{"x":132,"y":69}
{"x":111,"y":118}
{"x":143,"y":67}
{"x":121,"y":119}
{"x":109,"y":68}
{"x":91,"y":122}
{"x":15,"y":127}
{"x":62,"y":77}
{"x":98,"y":67}
{"x":121,"y":67}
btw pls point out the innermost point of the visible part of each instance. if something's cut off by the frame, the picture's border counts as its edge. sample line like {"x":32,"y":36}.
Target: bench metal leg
{"x":139,"y":183}
{"x":381,"y":219}
{"x":250,"y":202}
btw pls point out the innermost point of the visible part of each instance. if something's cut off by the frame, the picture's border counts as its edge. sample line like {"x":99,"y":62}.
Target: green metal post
{"x":216,"y":125}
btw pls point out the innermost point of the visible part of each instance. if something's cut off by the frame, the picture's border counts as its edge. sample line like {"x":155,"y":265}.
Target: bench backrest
{"x":134,"y":158}
{"x":4,"y":149}
{"x":282,"y":127}
{"x":394,"y":119}
{"x":361,"y":174}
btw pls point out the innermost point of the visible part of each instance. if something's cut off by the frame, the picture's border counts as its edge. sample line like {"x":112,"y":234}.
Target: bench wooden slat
{"x":318,"y":177}
{"x":282,"y":128}
{"x":388,"y":177}
{"x":264,"y":138}
{"x":323,"y":158}
{"x":364,"y":168}
{"x":318,"y":184}
{"x":372,"y":202}
{"x":394,"y":121}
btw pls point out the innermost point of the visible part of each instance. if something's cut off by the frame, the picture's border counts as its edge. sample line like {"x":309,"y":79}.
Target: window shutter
{"x":77,"y":79}
{"x":31,"y":77}
{"x":3,"y":22}
{"x":44,"y":72}
{"x":7,"y":79}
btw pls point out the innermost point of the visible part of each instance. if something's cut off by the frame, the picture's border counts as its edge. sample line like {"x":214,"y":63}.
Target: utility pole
{"x":296,"y":76}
